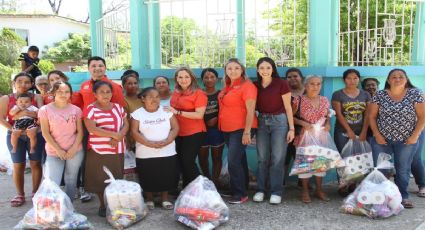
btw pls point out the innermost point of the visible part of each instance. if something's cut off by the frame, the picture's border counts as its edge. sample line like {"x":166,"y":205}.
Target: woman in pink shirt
{"x":61,"y":125}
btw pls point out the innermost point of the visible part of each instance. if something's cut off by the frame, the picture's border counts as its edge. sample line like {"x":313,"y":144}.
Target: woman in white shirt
{"x":154,"y":131}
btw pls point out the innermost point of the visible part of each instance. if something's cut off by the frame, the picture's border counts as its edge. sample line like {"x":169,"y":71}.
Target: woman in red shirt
{"x":188,"y":103}
{"x":107,"y":124}
{"x":236,"y":118}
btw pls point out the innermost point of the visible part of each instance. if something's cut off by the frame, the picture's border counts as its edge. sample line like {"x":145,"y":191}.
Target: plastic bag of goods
{"x":6,"y":164}
{"x":199,"y":205}
{"x":124,"y":202}
{"x":52,"y":210}
{"x":357,"y":156}
{"x":316,"y":152}
{"x":130,"y":173}
{"x":376,"y":196}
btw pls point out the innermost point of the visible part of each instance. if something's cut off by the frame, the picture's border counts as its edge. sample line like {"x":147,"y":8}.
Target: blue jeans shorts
{"x":213,"y":138}
{"x":24,"y":148}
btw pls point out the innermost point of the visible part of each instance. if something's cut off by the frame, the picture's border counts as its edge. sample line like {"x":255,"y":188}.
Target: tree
{"x":76,"y":48}
{"x":178,"y":38}
{"x":8,"y":6}
{"x":10,"y":47}
{"x":55,"y":5}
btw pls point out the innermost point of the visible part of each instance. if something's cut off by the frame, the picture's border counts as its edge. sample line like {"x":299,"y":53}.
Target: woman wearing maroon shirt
{"x":275,"y":129}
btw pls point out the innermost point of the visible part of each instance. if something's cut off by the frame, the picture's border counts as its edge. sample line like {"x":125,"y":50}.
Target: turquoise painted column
{"x":96,"y":40}
{"x":240,"y":33}
{"x":154,"y":26}
{"x":323,"y":33}
{"x":138,"y":35}
{"x":418,"y":51}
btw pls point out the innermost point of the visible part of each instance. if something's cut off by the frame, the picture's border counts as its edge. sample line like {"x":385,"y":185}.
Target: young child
{"x":29,"y":61}
{"x":23,"y":103}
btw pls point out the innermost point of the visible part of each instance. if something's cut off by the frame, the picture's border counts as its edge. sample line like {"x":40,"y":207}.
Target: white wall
{"x":44,"y":30}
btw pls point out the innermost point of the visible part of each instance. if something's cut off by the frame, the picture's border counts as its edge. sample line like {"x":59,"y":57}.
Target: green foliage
{"x":76,"y":48}
{"x":10,"y":47}
{"x":46,"y":66}
{"x":5,"y":79}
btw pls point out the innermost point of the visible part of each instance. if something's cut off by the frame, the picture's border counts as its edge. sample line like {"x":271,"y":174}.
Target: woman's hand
{"x":113,"y":143}
{"x":71,"y":152}
{"x":380,"y":139}
{"x":170,"y":109}
{"x":412,"y":140}
{"x":351,"y":134}
{"x":246,"y":139}
{"x":327,"y":127}
{"x":290,"y":136}
{"x":61,"y":154}
{"x":362,"y":136}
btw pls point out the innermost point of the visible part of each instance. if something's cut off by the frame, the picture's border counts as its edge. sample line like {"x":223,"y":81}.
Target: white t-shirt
{"x":31,"y":108}
{"x":155,"y":127}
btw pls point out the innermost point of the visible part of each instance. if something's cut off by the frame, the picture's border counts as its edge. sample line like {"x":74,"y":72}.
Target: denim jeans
{"x":54,"y":168}
{"x":403,"y":156}
{"x":418,"y":169}
{"x":271,"y":151}
{"x":237,"y":162}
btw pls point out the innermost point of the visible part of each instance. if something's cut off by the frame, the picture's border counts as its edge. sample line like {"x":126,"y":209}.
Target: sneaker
{"x":84,"y":196}
{"x":275,"y":199}
{"x":238,"y":200}
{"x":258,"y":197}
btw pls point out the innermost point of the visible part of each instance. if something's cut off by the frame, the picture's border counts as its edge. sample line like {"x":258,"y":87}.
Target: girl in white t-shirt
{"x":154,"y":131}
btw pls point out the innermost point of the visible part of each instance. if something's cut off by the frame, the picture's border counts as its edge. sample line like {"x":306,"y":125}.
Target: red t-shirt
{"x":87,"y":95}
{"x":232,"y":113}
{"x":188,"y":102}
{"x":269,"y":99}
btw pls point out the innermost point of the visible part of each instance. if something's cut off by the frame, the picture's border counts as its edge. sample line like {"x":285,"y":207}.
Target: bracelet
{"x":246,"y":133}
{"x":291,"y":130}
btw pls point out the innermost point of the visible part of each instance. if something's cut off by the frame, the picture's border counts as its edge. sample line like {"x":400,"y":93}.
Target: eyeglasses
{"x":42,"y":84}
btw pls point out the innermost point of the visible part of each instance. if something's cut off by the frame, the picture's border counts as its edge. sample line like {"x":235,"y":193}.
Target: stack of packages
{"x":124,"y":200}
{"x":52,"y":210}
{"x":358,"y":160}
{"x":130,"y":166}
{"x":316,"y":152}
{"x":376,"y":196}
{"x":199,"y":205}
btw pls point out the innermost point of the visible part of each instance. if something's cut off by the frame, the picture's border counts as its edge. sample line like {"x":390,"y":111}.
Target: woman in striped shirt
{"x":107,"y":126}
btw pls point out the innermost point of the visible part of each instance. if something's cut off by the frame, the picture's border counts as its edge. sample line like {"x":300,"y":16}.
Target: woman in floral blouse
{"x":397,"y":117}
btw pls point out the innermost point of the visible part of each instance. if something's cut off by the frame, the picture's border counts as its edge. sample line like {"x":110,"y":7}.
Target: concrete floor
{"x":291,"y":214}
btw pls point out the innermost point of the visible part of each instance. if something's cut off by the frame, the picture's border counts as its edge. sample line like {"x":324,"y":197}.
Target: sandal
{"x":322,"y":196}
{"x":167,"y":205}
{"x":150,"y":205}
{"x":305,"y":197}
{"x":17,"y":201}
{"x":421,"y":192}
{"x":407,"y":204}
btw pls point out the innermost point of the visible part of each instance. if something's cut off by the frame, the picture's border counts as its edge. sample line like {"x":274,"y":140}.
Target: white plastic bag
{"x":124,"y":202}
{"x":199,"y":205}
{"x":52,"y":210}
{"x":316,"y":152}
{"x":376,"y":196}
{"x":129,"y":160}
{"x":358,"y":160}
{"x":6,"y":164}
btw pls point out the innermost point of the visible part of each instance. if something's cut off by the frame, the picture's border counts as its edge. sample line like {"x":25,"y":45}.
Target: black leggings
{"x":187,"y":148}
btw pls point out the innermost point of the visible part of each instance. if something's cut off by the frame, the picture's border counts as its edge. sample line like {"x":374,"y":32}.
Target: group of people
{"x":74,"y":133}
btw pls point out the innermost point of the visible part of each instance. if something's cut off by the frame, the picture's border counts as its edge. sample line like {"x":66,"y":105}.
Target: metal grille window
{"x":279,"y":30}
{"x":376,"y":32}
{"x":114,"y":30}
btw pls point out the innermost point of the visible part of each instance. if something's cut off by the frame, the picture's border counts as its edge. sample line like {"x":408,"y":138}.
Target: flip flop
{"x":421,"y":192}
{"x":17,"y":201}
{"x":167,"y":205}
{"x":407,"y":204}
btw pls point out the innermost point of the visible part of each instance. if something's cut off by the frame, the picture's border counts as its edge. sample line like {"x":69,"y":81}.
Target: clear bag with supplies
{"x":358,"y":159}
{"x":376,"y":196}
{"x":200,"y":206}
{"x":52,"y":210}
{"x":316,"y":152}
{"x":124,"y":202}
